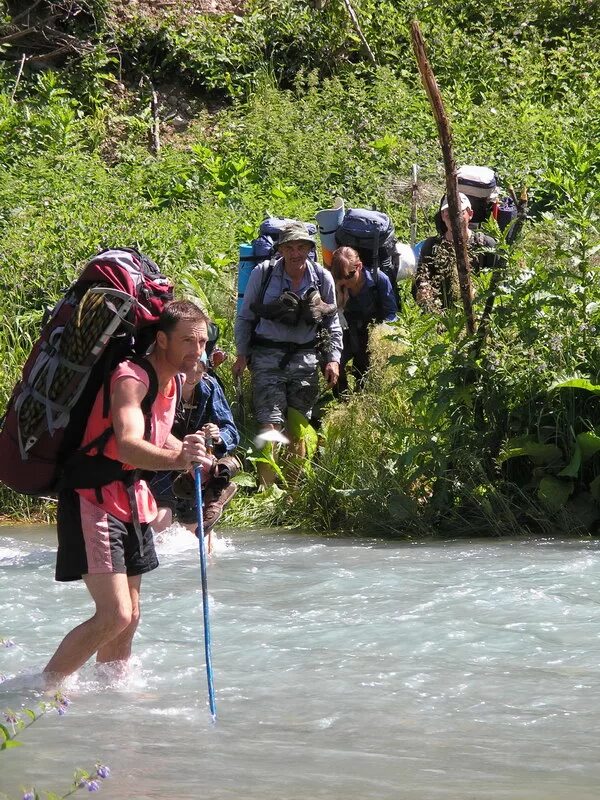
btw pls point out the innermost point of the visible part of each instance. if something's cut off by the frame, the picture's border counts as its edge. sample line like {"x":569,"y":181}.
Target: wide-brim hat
{"x":296,"y":232}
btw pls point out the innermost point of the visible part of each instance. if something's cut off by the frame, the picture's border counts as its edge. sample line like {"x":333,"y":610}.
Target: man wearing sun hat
{"x":286,"y":329}
{"x":436,"y":285}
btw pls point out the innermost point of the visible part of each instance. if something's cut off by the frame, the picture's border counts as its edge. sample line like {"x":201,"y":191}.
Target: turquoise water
{"x":343,"y":669}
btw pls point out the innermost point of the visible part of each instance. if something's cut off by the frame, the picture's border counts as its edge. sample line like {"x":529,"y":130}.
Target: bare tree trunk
{"x":358,"y":30}
{"x":463,"y":261}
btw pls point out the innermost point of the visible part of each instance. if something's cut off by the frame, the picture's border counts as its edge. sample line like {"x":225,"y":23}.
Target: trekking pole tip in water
{"x":206,"y":619}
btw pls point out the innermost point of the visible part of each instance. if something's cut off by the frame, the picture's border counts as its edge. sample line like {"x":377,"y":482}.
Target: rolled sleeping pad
{"x":246,"y":264}
{"x":328,"y":221}
{"x":406,"y":260}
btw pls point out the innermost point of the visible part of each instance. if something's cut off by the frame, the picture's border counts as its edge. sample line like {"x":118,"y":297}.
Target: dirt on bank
{"x":179,"y":10}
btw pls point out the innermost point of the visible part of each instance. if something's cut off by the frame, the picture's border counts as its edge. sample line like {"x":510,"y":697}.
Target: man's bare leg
{"x":294,"y":462}
{"x":119,"y":648}
{"x":164,"y":520}
{"x":110,"y":593}
{"x":266,"y":474}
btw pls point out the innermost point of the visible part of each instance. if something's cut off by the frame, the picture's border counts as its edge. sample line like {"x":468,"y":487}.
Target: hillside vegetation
{"x":273,"y":108}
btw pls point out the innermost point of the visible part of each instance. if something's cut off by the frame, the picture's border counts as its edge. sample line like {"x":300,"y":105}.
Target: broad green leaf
{"x":576,"y":383}
{"x":4,"y":731}
{"x":244,"y":479}
{"x":272,"y":463}
{"x":300,"y":428}
{"x":463,"y":394}
{"x":574,"y":465}
{"x":273,"y":492}
{"x":589,"y":442}
{"x":540,"y":454}
{"x":10,"y":743}
{"x":554,"y":492}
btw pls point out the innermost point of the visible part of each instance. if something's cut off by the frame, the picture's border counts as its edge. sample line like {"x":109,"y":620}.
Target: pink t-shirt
{"x":115,"y":500}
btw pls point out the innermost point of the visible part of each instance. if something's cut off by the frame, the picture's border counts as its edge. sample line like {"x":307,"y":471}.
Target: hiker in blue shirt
{"x":363,"y":298}
{"x":286,"y":332}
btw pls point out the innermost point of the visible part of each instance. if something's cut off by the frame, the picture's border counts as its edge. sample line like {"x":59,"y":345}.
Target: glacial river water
{"x":344,"y":669}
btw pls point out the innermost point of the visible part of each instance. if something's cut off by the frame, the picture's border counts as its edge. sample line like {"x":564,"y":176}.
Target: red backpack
{"x":108,"y":314}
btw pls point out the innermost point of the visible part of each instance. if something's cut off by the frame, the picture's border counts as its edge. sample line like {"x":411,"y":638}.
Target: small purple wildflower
{"x":62,"y":699}
{"x":28,"y":796}
{"x":93,"y":786}
{"x":61,"y":711}
{"x":11,"y":717}
{"x":103,"y":771}
{"x":7,"y":642}
{"x":555,"y":342}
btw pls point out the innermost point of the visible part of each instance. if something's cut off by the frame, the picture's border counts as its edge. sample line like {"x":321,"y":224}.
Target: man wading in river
{"x":105,"y":536}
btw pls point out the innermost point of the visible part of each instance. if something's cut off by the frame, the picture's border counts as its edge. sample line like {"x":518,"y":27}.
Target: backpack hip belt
{"x":289,"y":348}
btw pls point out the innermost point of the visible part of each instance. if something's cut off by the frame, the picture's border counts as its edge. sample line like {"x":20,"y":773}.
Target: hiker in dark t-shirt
{"x":436,"y":286}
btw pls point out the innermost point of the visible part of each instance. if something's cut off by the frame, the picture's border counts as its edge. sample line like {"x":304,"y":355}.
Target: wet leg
{"x":112,"y":598}
{"x":119,"y":648}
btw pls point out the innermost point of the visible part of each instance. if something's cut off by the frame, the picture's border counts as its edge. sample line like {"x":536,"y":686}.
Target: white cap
{"x":464,"y":202}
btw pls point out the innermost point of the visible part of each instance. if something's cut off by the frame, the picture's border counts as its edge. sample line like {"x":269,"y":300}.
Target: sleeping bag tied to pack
{"x":106,"y":316}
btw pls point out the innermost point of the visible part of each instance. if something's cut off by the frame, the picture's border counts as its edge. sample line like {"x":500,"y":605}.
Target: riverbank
{"x":278,"y":111}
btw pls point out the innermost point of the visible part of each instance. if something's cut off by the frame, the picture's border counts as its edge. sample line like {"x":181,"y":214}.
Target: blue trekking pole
{"x":209,"y":672}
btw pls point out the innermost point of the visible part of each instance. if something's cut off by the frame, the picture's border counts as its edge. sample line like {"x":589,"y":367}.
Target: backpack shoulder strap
{"x":266,"y":279}
{"x":151,"y":394}
{"x":318,"y":270}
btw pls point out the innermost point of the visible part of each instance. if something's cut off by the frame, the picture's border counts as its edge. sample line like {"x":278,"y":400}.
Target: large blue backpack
{"x":372,"y":235}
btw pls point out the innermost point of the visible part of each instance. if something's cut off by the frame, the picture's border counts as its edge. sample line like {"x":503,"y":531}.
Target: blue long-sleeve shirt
{"x":209,"y":405}
{"x":375,"y":301}
{"x":302,"y":333}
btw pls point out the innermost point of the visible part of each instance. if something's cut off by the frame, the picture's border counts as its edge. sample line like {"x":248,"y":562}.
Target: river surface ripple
{"x":344,"y":669}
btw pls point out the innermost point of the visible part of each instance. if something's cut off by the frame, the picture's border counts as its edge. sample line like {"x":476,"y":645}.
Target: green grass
{"x":296,"y":126}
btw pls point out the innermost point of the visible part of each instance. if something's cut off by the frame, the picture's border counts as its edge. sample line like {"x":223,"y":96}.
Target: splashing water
{"x":343,"y":669}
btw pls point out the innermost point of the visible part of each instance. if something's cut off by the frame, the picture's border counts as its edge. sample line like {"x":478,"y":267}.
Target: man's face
{"x":184,"y":345}
{"x":295,"y":253}
{"x":465,"y":218}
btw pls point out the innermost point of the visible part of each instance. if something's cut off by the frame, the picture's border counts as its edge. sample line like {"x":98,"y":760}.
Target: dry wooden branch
{"x":358,"y":30}
{"x":19,"y":73}
{"x":26,"y":13}
{"x":463,"y":261}
{"x":155,"y":129}
{"x":413,"y":204}
{"x":13,"y":37}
